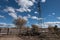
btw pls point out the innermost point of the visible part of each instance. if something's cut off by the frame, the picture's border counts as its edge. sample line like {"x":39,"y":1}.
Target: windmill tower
{"x":39,"y":11}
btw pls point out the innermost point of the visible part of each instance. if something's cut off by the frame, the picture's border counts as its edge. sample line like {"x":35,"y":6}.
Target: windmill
{"x":39,"y":11}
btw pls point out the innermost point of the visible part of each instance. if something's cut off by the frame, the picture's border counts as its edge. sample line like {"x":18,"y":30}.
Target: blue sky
{"x":49,"y":8}
{"x":27,"y":9}
{"x":51,"y":12}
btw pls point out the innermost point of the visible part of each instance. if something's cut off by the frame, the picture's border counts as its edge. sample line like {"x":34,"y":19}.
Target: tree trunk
{"x":0,"y":30}
{"x":19,"y":29}
{"x":7,"y":31}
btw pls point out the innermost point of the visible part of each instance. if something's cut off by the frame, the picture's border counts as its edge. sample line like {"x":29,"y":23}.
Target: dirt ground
{"x":15,"y":37}
{"x":10,"y":38}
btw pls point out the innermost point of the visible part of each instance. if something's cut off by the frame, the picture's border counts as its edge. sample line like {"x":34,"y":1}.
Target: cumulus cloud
{"x":29,"y":15}
{"x":11,"y":12}
{"x":2,"y":16}
{"x":36,"y":12}
{"x":34,"y":17}
{"x":53,"y":13}
{"x":47,"y":24}
{"x":2,"y":23}
{"x":26,"y":18}
{"x":25,"y":5}
{"x":42,"y":25}
{"x":23,"y":10}
{"x":43,"y":1}
{"x":7,"y":0}
{"x":58,"y":18}
{"x":6,"y":25}
{"x":23,"y":17}
{"x":0,"y":6}
{"x":38,"y":25}
{"x":52,"y":23}
{"x":10,"y":25}
{"x":33,"y":0}
{"x":14,"y":15}
{"x":49,"y":15}
{"x":10,"y":9}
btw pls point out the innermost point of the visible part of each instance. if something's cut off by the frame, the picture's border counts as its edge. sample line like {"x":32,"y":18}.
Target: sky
{"x":27,"y":9}
{"x":51,"y":12}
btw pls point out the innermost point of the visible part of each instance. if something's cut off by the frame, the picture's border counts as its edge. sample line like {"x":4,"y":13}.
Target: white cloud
{"x":34,"y":17}
{"x":43,"y":25}
{"x":23,"y":17}
{"x":10,"y":25}
{"x":29,"y":15}
{"x":2,"y":16}
{"x":7,"y":0}
{"x":33,"y":0}
{"x":52,"y":23}
{"x":38,"y":25}
{"x":41,"y":18}
{"x":47,"y":24}
{"x":0,"y":6}
{"x":11,"y":12}
{"x":25,"y":5}
{"x":6,"y":25}
{"x":49,"y":15}
{"x":58,"y":18}
{"x":36,"y":12}
{"x":10,"y":9}
{"x":26,"y":18}
{"x":14,"y":15}
{"x":53,"y":13}
{"x":43,"y":1}
{"x":3,"y":23}
{"x":23,"y":10}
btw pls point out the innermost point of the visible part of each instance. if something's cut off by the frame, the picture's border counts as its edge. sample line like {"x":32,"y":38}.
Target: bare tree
{"x":19,"y":23}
